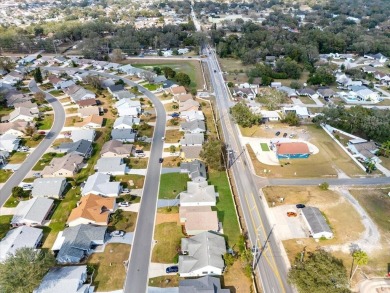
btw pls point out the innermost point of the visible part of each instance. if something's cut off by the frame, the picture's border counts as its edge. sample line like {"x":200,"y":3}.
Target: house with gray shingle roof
{"x":82,"y":134}
{"x":195,"y":126}
{"x":111,"y":166}
{"x":198,"y":194}
{"x":116,"y":148}
{"x":316,"y":223}
{"x":32,"y":212}
{"x":78,"y":93}
{"x":75,"y":243}
{"x":124,"y":135}
{"x":202,"y":285}
{"x":126,"y":122}
{"x":192,"y":139}
{"x":81,"y":147}
{"x":100,"y":184}
{"x":49,"y":187}
{"x":18,"y":238}
{"x":71,"y":279}
{"x":202,"y":255}
{"x":196,"y":170}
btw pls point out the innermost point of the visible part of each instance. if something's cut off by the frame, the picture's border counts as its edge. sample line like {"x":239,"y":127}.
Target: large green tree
{"x":183,"y":79}
{"x":212,"y":152}
{"x":320,"y":272}
{"x":38,"y":75}
{"x":243,"y":116}
{"x":23,"y":271}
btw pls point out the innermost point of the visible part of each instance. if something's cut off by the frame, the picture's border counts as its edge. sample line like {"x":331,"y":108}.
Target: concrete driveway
{"x":375,"y":285}
{"x":158,"y":269}
{"x":163,"y":290}
{"x":126,"y":239}
{"x":289,"y":227}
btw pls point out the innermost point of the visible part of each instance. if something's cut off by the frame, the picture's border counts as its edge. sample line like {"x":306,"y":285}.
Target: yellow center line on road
{"x":268,"y":248}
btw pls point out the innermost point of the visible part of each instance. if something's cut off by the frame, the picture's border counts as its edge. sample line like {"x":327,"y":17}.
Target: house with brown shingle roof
{"x":86,"y":103}
{"x":182,"y":98}
{"x":66,"y":166}
{"x":198,"y":219}
{"x":92,"y":209}
{"x":92,"y":121}
{"x":178,"y":90}
{"x":189,"y":105}
{"x":116,"y":148}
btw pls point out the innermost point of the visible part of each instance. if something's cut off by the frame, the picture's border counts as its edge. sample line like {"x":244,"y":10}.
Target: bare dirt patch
{"x":167,"y":218}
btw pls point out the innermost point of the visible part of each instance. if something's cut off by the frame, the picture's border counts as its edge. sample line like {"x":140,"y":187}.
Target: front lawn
{"x":4,"y":175}
{"x":168,"y":237}
{"x":109,"y":267}
{"x":45,"y":160}
{"x":46,"y":122}
{"x":127,"y":223}
{"x":225,"y":207}
{"x":12,"y":202}
{"x":172,"y":184}
{"x":5,"y":222}
{"x":138,"y":163}
{"x":32,"y":142}
{"x":17,"y":158}
{"x":131,"y":180}
{"x":56,"y":93}
{"x":151,"y":87}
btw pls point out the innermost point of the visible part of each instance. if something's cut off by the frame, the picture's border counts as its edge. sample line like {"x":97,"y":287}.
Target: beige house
{"x":66,"y":166}
{"x":198,"y":219}
{"x":182,"y":98}
{"x":178,"y":90}
{"x":92,"y":121}
{"x":116,"y":148}
{"x":189,"y":105}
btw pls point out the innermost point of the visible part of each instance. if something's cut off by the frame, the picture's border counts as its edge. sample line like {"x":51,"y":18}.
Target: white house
{"x":316,"y":223}
{"x":32,"y":212}
{"x":300,"y":111}
{"x":128,"y":107}
{"x":100,"y":184}
{"x":126,"y":122}
{"x":198,"y":194}
{"x":192,"y":115}
{"x":9,"y":142}
{"x":183,"y":51}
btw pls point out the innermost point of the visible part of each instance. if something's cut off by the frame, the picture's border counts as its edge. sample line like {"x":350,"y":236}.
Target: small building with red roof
{"x":292,"y":150}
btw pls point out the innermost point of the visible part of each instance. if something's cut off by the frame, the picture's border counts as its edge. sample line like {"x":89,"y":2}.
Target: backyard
{"x":56,"y":93}
{"x":109,"y":267}
{"x":172,"y":184}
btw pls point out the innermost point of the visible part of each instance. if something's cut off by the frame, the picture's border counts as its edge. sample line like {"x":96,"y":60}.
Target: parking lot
{"x":289,"y":227}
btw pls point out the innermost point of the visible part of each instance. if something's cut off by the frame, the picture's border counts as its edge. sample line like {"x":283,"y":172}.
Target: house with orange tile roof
{"x":92,"y":209}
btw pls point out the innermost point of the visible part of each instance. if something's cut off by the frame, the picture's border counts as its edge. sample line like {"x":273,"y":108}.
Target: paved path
{"x":158,"y":269}
{"x":32,"y":159}
{"x":162,"y":203}
{"x":163,"y":290}
{"x":375,"y":285}
{"x":167,"y":170}
{"x":126,"y":239}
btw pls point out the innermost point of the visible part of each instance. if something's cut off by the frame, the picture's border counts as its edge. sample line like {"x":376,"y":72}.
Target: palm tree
{"x":385,"y":148}
{"x":361,"y":258}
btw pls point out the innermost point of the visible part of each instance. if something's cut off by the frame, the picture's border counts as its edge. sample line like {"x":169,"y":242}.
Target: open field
{"x":17,"y":158}
{"x":70,"y":121}
{"x":45,"y":160}
{"x":231,"y":65}
{"x":166,"y":248}
{"x":302,"y":79}
{"x":190,"y":67}
{"x":173,"y":136}
{"x":172,"y":184}
{"x":225,"y":207}
{"x":110,"y":271}
{"x":330,"y":160}
{"x":4,"y":175}
{"x":131,"y":180}
{"x":5,"y":222}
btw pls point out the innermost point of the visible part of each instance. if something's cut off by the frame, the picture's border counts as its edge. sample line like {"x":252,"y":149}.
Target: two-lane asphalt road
{"x":32,"y":159}
{"x":139,"y":260}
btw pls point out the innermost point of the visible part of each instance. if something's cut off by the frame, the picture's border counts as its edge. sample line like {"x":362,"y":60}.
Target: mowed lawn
{"x":46,"y":122}
{"x":17,"y":158}
{"x":45,"y":161}
{"x":172,"y":184}
{"x":264,"y":147}
{"x":5,"y":222}
{"x":326,"y":163}
{"x":4,"y":175}
{"x":168,"y":237}
{"x":110,"y":271}
{"x":225,"y":206}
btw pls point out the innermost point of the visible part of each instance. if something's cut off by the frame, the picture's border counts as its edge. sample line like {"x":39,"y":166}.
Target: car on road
{"x":175,"y":115}
{"x":300,"y":206}
{"x":117,"y":233}
{"x":124,"y":204}
{"x":160,"y":160}
{"x":277,"y":133}
{"x":41,"y":132}
{"x":215,"y":71}
{"x":285,"y":134}
{"x":172,"y":269}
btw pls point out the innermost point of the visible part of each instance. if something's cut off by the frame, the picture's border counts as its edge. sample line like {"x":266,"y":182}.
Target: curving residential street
{"x":32,"y":159}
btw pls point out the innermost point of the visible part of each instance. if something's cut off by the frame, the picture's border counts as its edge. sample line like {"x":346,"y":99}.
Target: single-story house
{"x":292,"y":150}
{"x":326,"y":93}
{"x":64,"y":84}
{"x":177,"y":90}
{"x":316,"y":223}
{"x":66,"y":166}
{"x":126,"y":122}
{"x":191,"y":152}
{"x":81,"y":147}
{"x":32,"y":212}
{"x":128,"y":107}
{"x":196,"y":170}
{"x":119,"y":95}
{"x":368,"y":69}
{"x":306,"y":92}
{"x":111,"y":166}
{"x":202,"y":255}
{"x":91,"y":122}
{"x":124,"y":135}
{"x":100,"y":184}
{"x":159,"y":79}
{"x":9,"y":142}
{"x":49,"y":187}
{"x":200,"y":219}
{"x":75,"y":243}
{"x":269,"y":115}
{"x":82,"y":134}
{"x":115,"y":88}
{"x":71,"y":279}
{"x":182,"y":98}
{"x":92,"y":209}
{"x":276,"y":84}
{"x":88,"y":111}
{"x":78,"y":93}
{"x":23,"y":236}
{"x":300,"y":111}
{"x":16,"y":97}
{"x":116,"y":148}
{"x":198,"y":194}
{"x":364,"y":93}
{"x":291,"y":93}
{"x":189,"y":105}
{"x":362,"y":148}
{"x":378,"y":57}
{"x":14,"y":128}
{"x":195,"y":126}
{"x":86,"y":103}
{"x":203,"y":284}
{"x":192,"y":115}
{"x":192,"y":139}
{"x":21,"y":113}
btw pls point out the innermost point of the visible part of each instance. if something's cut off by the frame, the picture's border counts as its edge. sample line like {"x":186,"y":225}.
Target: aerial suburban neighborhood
{"x":179,"y":147}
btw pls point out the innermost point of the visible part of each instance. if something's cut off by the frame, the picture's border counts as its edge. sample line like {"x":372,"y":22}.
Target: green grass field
{"x":5,"y":222}
{"x":4,"y":175}
{"x":225,"y":207}
{"x":172,"y":184}
{"x":165,"y":251}
{"x":264,"y":147}
{"x":46,"y":123}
